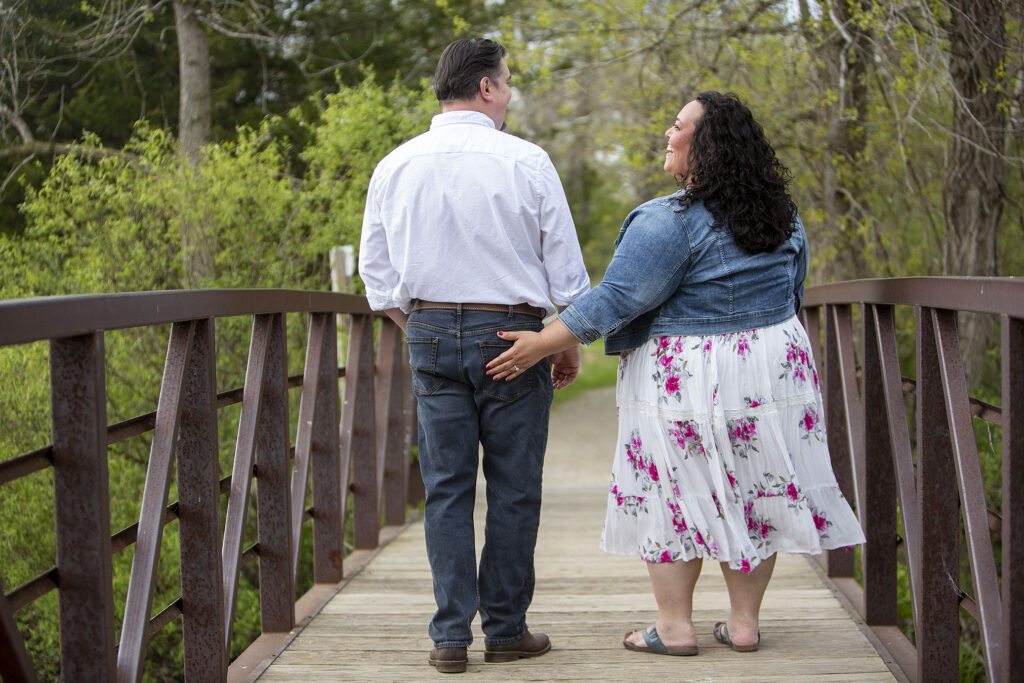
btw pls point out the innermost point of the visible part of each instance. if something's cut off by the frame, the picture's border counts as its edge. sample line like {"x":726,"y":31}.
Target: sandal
{"x":722,"y":636}
{"x":655,"y":646}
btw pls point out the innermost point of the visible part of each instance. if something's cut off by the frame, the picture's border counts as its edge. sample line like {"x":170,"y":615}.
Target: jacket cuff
{"x":579,"y":326}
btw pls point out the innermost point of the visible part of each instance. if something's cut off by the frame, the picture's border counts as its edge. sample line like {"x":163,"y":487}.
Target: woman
{"x":721,"y":451}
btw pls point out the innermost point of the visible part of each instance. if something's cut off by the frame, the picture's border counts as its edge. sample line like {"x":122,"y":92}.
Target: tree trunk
{"x":976,"y":167}
{"x":972,"y":192}
{"x":194,"y":80}
{"x":844,"y":53}
{"x":193,"y":128}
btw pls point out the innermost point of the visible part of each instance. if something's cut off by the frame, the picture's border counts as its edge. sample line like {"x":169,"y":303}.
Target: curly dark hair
{"x":734,"y":170}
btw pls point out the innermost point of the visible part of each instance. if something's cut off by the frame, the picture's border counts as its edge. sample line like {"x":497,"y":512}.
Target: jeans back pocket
{"x":423,"y":362}
{"x":512,"y":389}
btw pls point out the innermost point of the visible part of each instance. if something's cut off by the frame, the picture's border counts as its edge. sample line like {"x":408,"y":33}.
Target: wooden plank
{"x":585,"y":600}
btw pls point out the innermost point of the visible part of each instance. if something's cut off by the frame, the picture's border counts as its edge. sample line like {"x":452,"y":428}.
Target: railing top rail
{"x":35,"y":319}
{"x":997,"y":296}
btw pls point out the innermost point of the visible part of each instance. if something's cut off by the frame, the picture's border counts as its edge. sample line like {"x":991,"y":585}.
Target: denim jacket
{"x":674,"y":274}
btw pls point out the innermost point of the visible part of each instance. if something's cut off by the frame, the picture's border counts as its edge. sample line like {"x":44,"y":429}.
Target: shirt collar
{"x":469,"y":116}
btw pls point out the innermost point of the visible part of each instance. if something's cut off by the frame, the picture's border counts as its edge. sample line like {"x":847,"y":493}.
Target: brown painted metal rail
{"x":917,"y":478}
{"x":360,"y":444}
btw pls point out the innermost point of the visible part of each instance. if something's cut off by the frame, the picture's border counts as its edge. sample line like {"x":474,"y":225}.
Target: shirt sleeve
{"x":375,"y":268}
{"x":650,"y":261}
{"x":560,"y":247}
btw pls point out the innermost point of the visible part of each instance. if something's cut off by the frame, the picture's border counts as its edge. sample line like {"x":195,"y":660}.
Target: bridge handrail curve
{"x":359,"y":447}
{"x":925,"y":467}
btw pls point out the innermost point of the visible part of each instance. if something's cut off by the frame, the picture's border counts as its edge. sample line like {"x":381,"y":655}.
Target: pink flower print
{"x":698,"y":538}
{"x":707,"y":345}
{"x":663,"y":342}
{"x":690,"y":432}
{"x":798,"y":372}
{"x":765,"y":528}
{"x":666,"y":361}
{"x":814,"y":374}
{"x":820,"y":523}
{"x":751,"y":524}
{"x":675,"y":490}
{"x":742,"y":346}
{"x":653,"y":471}
{"x":755,"y":403}
{"x":791,"y":491}
{"x":808,"y":421}
{"x":732,"y":479}
{"x":678,"y":346}
{"x":745,"y":566}
{"x":666,"y":556}
{"x":635,"y":440}
{"x":672,"y":384}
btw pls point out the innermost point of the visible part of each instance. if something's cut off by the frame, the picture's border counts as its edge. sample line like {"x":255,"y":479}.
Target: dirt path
{"x":581,"y":440}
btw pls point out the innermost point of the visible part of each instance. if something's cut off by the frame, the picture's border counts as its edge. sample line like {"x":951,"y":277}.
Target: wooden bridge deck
{"x":374,"y":628}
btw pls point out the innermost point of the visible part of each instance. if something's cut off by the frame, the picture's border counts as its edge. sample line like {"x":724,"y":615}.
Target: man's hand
{"x":565,"y":366}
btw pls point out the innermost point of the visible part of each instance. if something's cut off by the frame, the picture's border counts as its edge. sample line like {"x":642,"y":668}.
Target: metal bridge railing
{"x":916,"y":478}
{"x":360,"y":444}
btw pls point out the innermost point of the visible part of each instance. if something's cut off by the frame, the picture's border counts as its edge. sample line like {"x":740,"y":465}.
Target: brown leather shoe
{"x":529,"y":645}
{"x":448,"y":660}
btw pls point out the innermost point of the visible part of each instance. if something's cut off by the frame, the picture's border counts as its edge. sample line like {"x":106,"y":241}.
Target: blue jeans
{"x":459,"y":408}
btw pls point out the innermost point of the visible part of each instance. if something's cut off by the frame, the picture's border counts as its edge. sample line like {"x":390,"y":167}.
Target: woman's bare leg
{"x":746,"y":591}
{"x":673,"y":584}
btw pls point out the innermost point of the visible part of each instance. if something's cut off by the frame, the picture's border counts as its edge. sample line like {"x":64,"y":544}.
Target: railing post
{"x":878,"y":516}
{"x":273,"y":507}
{"x":316,"y":452}
{"x":414,"y":486}
{"x":82,"y":507}
{"x":202,"y":594}
{"x":135,"y":627}
{"x":838,"y":412}
{"x":392,"y":458}
{"x":812,"y":325}
{"x":1012,"y":663}
{"x":937,"y":627}
{"x":357,"y":433}
{"x":256,"y":369}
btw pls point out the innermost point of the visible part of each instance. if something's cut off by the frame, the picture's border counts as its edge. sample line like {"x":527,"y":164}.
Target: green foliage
{"x":119,"y":224}
{"x":353,"y":129}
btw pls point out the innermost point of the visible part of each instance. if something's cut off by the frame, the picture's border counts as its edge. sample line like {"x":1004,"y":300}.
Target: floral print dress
{"x":722,"y":451}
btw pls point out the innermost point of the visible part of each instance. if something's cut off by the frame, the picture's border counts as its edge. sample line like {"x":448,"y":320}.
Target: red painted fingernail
{"x":500,"y":333}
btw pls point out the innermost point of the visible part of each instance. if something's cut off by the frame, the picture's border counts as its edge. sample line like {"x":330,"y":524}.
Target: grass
{"x":597,"y":371}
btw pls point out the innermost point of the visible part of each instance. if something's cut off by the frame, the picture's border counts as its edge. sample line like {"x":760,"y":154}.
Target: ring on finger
{"x":515,"y":367}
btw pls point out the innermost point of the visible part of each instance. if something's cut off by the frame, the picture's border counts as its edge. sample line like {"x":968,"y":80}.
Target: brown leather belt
{"x":525,"y":309}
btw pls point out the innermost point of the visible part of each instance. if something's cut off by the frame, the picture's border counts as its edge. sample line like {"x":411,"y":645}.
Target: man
{"x":466,"y":234}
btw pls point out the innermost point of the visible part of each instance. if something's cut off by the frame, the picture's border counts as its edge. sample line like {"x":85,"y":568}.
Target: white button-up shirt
{"x":465,"y":213}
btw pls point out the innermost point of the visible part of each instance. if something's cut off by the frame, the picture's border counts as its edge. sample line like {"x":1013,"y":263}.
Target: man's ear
{"x":485,"y":88}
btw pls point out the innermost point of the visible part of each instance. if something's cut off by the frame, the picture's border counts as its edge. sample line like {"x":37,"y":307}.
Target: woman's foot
{"x":741,"y":638}
{"x":673,"y":636}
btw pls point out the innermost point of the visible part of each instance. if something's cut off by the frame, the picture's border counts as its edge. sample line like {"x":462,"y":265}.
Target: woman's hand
{"x":526,"y":351}
{"x":529,"y":347}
